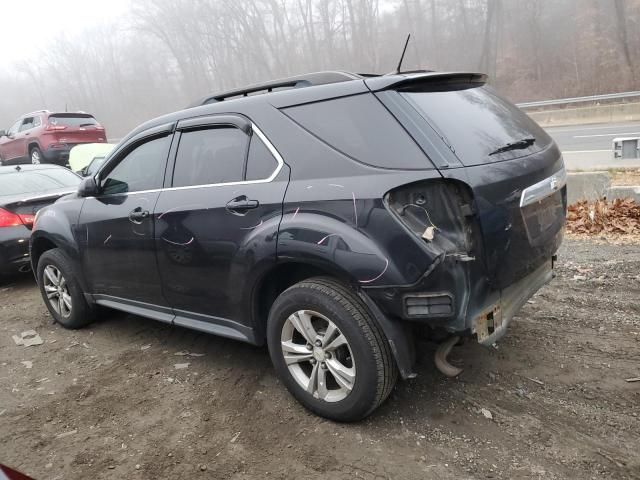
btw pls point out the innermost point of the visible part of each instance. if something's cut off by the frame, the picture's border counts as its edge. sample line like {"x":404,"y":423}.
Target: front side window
{"x":141,"y":169}
{"x":14,"y":128}
{"x":209,"y":156}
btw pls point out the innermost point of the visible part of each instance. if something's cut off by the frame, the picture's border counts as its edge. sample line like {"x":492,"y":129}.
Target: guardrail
{"x":569,"y":101}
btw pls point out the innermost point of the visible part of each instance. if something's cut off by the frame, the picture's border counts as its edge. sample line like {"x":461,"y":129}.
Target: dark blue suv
{"x":332,"y":216}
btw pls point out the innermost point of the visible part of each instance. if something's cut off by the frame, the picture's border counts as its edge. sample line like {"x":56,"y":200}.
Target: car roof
{"x":305,"y":88}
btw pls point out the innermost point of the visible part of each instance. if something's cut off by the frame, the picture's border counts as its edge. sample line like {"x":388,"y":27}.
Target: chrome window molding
{"x":544,"y":188}
{"x":271,"y":177}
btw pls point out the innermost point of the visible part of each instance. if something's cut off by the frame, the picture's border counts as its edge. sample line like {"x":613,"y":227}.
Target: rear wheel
{"x":36,"y":156}
{"x":61,"y":291}
{"x":328,"y":351}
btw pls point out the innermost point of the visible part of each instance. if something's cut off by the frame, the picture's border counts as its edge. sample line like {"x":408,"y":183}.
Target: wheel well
{"x":277,"y":281}
{"x":39,"y":246}
{"x":32,"y":146}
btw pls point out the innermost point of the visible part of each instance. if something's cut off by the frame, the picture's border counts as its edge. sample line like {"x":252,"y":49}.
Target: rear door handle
{"x":137,"y":215}
{"x":240,"y":205}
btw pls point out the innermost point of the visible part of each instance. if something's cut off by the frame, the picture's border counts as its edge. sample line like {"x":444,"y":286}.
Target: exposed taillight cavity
{"x":439,"y":212}
{"x":55,"y":128}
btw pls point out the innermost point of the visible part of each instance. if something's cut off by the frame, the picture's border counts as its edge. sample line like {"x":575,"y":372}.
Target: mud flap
{"x":399,"y":338}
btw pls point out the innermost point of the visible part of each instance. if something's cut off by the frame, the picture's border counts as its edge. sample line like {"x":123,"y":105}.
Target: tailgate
{"x":74,"y":128}
{"x":521,"y":206}
{"x":514,"y":169}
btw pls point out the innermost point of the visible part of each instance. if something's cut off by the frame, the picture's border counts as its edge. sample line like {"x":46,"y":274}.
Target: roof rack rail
{"x":36,"y":111}
{"x":306,"y":80}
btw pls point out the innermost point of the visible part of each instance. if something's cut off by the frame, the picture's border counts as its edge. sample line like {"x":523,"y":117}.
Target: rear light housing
{"x":440,"y":213}
{"x":10,"y":219}
{"x":55,"y":128}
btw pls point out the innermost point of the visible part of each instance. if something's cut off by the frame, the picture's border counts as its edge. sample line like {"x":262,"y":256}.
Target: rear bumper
{"x":14,"y":249}
{"x":490,"y":325}
{"x":59,"y":156}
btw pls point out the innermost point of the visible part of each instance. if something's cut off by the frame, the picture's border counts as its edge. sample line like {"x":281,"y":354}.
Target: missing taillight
{"x":438,"y":212}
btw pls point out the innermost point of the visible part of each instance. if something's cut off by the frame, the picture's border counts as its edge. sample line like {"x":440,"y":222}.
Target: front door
{"x":119,"y":252}
{"x":218,"y":225}
{"x":11,"y":143}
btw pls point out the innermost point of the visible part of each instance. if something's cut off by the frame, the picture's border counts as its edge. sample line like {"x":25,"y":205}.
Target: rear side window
{"x":37,"y":181}
{"x":209,"y":156}
{"x":71,"y":120}
{"x":141,"y":169}
{"x":361,"y":128}
{"x":260,"y":164}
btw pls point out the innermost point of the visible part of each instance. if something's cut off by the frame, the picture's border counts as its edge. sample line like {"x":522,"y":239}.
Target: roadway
{"x":589,"y":147}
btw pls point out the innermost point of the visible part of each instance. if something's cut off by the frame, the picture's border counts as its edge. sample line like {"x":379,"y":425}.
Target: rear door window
{"x":260,"y":164}
{"x":361,"y":128}
{"x":27,"y":124}
{"x":475,"y":122}
{"x":210,"y":156}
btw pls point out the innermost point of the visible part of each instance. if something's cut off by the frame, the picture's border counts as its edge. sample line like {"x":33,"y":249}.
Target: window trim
{"x":270,"y":178}
{"x":254,"y":129}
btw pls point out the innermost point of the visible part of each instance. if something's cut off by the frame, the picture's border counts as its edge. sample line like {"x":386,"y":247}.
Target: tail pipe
{"x":441,"y":358}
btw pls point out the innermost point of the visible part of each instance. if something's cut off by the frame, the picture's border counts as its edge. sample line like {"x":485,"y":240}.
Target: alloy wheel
{"x":35,"y":157}
{"x":318,"y":355}
{"x":57,"y":291}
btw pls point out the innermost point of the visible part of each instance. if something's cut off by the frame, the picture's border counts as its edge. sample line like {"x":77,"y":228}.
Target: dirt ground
{"x":625,"y":177}
{"x":108,"y":401}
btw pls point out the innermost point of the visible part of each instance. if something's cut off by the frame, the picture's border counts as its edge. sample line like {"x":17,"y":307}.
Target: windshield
{"x":71,"y":120}
{"x":38,"y":181}
{"x":476,"y":122}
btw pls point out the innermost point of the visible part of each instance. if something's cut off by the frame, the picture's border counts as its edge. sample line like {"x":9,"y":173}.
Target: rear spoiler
{"x":426,"y":81}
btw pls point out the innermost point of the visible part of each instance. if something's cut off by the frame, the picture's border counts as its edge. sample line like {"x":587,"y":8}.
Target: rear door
{"x":117,"y":225}
{"x":216,"y":228}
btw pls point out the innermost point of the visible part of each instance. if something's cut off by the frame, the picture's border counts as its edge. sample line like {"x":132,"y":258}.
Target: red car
{"x":46,"y":137}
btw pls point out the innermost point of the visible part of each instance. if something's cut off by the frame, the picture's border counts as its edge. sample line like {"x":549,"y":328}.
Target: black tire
{"x":375,"y":369}
{"x":35,"y":151}
{"x":81,"y":313}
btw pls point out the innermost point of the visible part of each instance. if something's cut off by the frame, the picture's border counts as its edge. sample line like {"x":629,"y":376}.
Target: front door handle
{"x":137,"y":215}
{"x":240,"y":205}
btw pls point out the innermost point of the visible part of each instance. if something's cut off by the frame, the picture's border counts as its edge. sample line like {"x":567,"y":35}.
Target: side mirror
{"x":3,"y":133}
{"x":88,"y":187}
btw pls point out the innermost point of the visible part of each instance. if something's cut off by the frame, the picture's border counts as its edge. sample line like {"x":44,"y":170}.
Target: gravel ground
{"x":109,"y":402}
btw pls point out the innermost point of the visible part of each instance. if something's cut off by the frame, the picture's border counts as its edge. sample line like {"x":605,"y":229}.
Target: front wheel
{"x":328,"y":351}
{"x":61,"y":291}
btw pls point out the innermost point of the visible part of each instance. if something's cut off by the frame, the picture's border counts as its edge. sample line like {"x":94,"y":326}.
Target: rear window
{"x":39,"y":181}
{"x":361,"y":128}
{"x":476,"y":122}
{"x":72,"y":120}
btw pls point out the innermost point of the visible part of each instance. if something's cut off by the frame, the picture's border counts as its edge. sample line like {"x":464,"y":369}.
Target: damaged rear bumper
{"x":491,"y":324}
